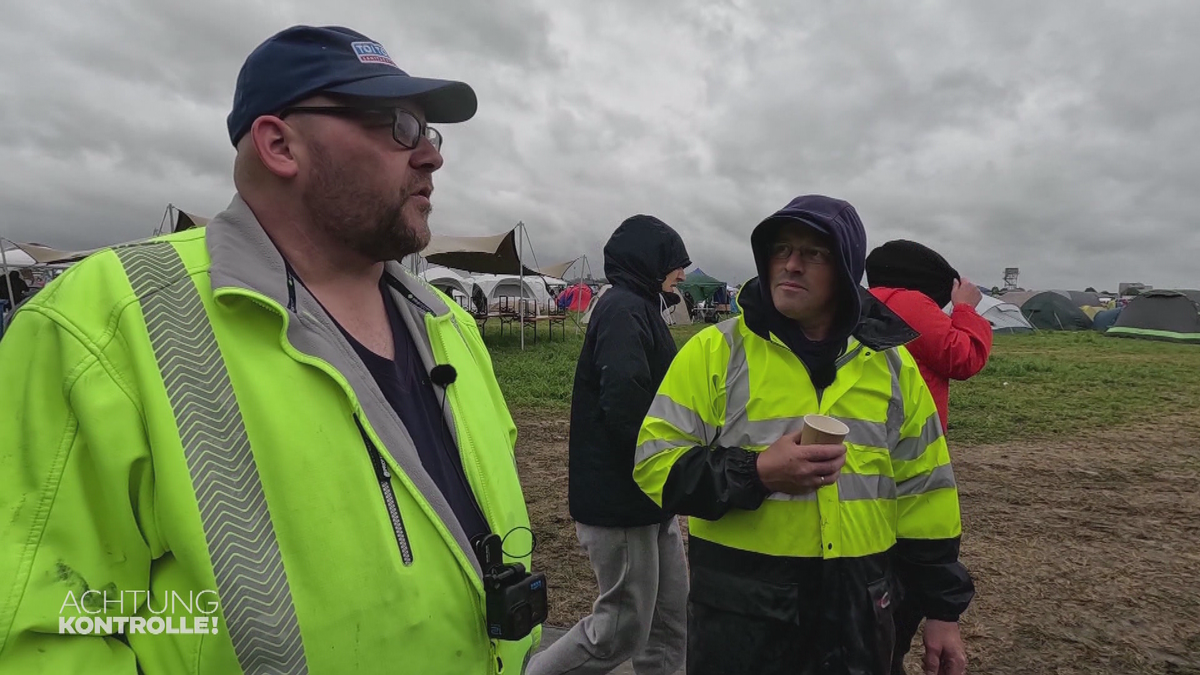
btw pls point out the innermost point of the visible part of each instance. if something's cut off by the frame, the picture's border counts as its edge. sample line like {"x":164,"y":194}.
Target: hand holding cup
{"x":801,"y":462}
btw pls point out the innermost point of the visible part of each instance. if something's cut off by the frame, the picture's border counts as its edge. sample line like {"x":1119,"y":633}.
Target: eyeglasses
{"x":811,"y":255}
{"x":407,"y":130}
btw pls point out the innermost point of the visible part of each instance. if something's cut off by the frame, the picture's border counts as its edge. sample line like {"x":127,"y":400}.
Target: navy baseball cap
{"x":303,"y":61}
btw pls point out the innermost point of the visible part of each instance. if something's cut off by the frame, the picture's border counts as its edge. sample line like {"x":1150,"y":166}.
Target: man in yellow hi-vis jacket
{"x":799,"y":552}
{"x":261,"y":446}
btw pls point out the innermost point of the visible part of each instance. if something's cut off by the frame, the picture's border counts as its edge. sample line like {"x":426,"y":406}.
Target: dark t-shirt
{"x":406,"y":386}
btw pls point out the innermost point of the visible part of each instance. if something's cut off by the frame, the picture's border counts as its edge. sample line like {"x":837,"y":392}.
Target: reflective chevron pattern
{"x":251,"y":582}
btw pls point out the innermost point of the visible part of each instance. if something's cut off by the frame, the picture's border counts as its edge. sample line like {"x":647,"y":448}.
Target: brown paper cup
{"x":822,"y":430}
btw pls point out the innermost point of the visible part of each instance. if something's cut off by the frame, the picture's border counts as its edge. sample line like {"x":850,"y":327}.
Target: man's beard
{"x":346,"y":210}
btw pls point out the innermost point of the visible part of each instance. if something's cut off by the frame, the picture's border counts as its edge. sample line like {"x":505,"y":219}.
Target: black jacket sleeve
{"x":626,"y":385}
{"x":706,"y":482}
{"x":933,"y":578}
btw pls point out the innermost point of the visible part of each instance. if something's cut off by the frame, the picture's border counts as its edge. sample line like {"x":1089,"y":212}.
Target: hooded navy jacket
{"x":626,"y":353}
{"x":802,"y":615}
{"x":840,"y":224}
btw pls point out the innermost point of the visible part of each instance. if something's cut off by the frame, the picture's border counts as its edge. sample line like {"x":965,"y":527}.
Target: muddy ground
{"x":1085,"y":549}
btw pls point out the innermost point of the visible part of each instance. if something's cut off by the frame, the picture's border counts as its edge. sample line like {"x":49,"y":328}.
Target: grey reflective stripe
{"x":737,"y":379}
{"x":651,"y":448}
{"x":851,"y":487}
{"x":746,"y":433}
{"x":766,"y":432}
{"x":909,"y":449}
{"x":252,"y":586}
{"x":895,"y":414}
{"x":862,"y":432}
{"x":682,"y":418}
{"x":739,"y":431}
{"x":939,"y":478}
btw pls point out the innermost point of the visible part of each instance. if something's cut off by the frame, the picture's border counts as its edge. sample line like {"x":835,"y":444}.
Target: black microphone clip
{"x":443,"y":375}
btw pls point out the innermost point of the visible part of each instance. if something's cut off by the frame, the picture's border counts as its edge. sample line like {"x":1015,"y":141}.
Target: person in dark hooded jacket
{"x":634,"y":545}
{"x":799,"y":552}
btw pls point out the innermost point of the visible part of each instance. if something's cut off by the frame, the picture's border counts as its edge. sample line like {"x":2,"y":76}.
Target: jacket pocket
{"x":746,"y":596}
{"x":883,"y":597}
{"x":744,"y":626}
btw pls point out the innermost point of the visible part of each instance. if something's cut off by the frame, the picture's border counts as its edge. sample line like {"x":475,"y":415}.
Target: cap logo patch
{"x":372,"y":52}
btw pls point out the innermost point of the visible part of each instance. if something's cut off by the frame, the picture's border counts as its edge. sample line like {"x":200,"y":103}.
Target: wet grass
{"x":1034,"y":386}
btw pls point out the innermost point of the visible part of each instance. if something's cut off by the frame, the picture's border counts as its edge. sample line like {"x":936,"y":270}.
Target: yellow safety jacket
{"x":828,"y":560}
{"x":189,"y":436}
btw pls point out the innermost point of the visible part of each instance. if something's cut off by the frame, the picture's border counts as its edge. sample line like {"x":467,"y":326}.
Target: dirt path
{"x":1085,"y":550}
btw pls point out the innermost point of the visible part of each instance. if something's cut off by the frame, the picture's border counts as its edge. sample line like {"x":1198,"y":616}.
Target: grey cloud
{"x":1057,"y":137}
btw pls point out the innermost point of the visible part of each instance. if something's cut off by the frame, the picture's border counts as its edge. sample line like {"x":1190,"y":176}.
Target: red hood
{"x":884,"y":294}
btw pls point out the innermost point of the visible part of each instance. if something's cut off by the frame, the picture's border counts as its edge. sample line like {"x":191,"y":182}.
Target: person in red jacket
{"x":916,"y":282}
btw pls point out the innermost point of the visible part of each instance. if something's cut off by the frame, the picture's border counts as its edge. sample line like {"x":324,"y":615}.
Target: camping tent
{"x":1193,"y":295}
{"x":455,"y":284}
{"x":575,"y":298}
{"x":1017,"y":298}
{"x":1081,"y":298}
{"x":587,"y":317}
{"x":701,"y":286}
{"x":496,"y":286}
{"x":1053,"y":311}
{"x":1105,"y":319}
{"x":677,"y":315}
{"x":1005,"y":317}
{"x":1159,"y":315}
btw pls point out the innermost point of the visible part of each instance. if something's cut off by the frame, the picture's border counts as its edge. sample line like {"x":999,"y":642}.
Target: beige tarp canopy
{"x":43,"y":255}
{"x":186,"y":221}
{"x":176,"y":219}
{"x":38,"y":254}
{"x":558,"y":271}
{"x":496,"y":254}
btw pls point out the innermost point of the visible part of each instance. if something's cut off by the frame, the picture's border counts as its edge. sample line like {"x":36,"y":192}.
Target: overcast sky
{"x":1059,"y":137}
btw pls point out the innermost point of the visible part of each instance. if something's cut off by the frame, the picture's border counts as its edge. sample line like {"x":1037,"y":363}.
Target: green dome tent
{"x":1053,"y":311}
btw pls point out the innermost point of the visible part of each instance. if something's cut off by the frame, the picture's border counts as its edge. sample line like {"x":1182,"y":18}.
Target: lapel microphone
{"x":443,"y":375}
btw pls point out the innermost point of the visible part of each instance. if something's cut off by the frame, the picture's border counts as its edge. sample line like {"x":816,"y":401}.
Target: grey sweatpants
{"x":641,"y":613}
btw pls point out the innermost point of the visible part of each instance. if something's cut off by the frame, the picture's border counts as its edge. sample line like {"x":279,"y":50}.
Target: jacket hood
{"x":640,"y":254}
{"x":878,"y":327}
{"x":837,"y":220}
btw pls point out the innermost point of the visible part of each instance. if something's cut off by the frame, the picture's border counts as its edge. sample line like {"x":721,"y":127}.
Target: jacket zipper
{"x":389,"y":496}
{"x":381,"y":471}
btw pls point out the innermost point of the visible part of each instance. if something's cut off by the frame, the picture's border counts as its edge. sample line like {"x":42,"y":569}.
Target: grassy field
{"x":1047,"y":384}
{"x":1078,"y":461}
{"x":1034,"y":385}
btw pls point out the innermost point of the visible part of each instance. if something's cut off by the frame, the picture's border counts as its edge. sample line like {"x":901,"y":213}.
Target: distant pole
{"x":521,"y":272}
{"x":583,"y":265}
{"x":12,"y":298}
